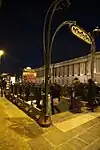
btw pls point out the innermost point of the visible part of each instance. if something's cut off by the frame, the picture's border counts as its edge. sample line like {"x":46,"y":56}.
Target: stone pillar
{"x":98,"y":65}
{"x":65,"y":71}
{"x":82,"y":68}
{"x":76,"y":69}
{"x":70,"y":70}
{"x":58,"y":71}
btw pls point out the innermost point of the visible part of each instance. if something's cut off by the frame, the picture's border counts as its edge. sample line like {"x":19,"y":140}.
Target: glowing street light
{"x":1,"y":53}
{"x":28,"y":68}
{"x":97,"y":29}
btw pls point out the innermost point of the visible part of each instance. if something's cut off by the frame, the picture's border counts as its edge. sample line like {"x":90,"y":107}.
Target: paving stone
{"x":64,"y":146}
{"x":95,"y":130}
{"x":34,"y":128}
{"x":61,"y":116}
{"x":80,"y":129}
{"x":67,"y":125}
{"x":25,"y":127}
{"x":77,"y":144}
{"x":14,"y":145}
{"x":51,"y":128}
{"x":94,"y":146}
{"x":22,"y":131}
{"x":40,"y":143}
{"x":11,"y":141}
{"x":90,"y":123}
{"x":57,"y":137}
{"x":88,"y":137}
{"x":95,"y":114}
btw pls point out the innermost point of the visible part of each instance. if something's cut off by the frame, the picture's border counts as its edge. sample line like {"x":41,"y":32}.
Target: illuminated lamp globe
{"x":97,"y":29}
{"x":1,"y":52}
{"x":29,"y":68}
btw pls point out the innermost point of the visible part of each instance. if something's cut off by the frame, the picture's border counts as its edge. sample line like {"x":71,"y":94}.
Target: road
{"x":68,"y":131}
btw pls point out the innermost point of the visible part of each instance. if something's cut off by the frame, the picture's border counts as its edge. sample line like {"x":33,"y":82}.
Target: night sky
{"x":21,"y":27}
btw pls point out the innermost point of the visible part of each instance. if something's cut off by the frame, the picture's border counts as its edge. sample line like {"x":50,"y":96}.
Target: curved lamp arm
{"x":49,"y":26}
{"x":50,"y":21}
{"x":44,"y":28}
{"x":56,"y":31}
{"x":55,"y":3}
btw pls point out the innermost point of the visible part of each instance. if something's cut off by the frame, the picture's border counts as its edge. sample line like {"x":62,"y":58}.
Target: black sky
{"x":21,"y":27}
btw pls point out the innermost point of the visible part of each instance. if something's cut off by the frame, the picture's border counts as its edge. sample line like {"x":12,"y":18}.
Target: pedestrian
{"x":70,"y":94}
{"x":78,"y":95}
{"x":55,"y":91}
{"x":3,"y":87}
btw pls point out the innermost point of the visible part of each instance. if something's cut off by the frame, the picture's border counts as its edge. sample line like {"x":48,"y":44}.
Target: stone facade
{"x":64,"y":72}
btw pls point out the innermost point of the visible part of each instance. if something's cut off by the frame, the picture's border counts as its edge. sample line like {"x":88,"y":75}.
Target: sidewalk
{"x":68,"y":132}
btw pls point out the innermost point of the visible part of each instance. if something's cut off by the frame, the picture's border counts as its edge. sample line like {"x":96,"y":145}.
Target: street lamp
{"x":54,"y":35}
{"x":1,"y":53}
{"x":93,"y":50}
{"x":45,"y":117}
{"x":96,"y":29}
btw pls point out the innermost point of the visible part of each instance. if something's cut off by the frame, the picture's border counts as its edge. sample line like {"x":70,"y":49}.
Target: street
{"x":68,"y":131}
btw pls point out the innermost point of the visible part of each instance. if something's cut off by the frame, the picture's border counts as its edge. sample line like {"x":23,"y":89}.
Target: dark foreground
{"x":68,"y":132}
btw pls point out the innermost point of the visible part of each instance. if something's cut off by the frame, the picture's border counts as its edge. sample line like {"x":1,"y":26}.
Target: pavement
{"x":68,"y":131}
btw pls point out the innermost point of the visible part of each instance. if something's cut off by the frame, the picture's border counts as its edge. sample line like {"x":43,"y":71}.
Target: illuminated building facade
{"x":64,"y":72}
{"x":29,"y":75}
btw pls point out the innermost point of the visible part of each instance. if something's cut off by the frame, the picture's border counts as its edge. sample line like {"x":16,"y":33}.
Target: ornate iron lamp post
{"x":45,"y":117}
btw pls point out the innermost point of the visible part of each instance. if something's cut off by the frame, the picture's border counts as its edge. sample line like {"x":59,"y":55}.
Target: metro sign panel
{"x":81,"y":33}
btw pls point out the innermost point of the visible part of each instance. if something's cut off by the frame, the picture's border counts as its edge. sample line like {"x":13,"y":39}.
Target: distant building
{"x":64,"y":72}
{"x":29,"y":75}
